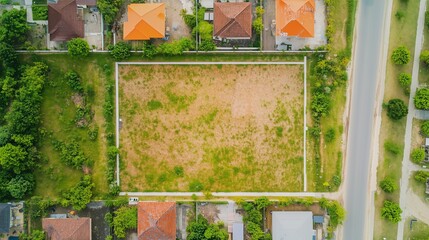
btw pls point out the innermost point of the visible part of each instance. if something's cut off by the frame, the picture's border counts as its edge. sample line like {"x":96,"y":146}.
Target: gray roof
{"x":318,"y":219}
{"x":4,"y":217}
{"x":293,"y":225}
{"x":237,"y":231}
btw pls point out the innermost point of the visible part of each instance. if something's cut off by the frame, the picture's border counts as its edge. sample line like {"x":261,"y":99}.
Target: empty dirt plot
{"x":211,"y":127}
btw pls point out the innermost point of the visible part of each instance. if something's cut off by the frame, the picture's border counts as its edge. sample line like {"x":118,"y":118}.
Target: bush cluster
{"x":421,"y":99}
{"x":401,"y":55}
{"x":396,"y":109}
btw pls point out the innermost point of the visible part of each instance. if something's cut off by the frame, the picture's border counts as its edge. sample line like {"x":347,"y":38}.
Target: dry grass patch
{"x":211,"y":127}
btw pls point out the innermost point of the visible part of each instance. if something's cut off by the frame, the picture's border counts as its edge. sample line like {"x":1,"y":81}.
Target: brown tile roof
{"x":156,"y":220}
{"x":63,"y":21}
{"x":67,"y":228}
{"x":233,"y":20}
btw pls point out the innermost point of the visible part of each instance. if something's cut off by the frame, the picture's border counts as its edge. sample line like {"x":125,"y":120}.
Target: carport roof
{"x":145,"y":21}
{"x":232,"y":20}
{"x":63,"y":21}
{"x":295,"y":18}
{"x":297,"y":225}
{"x":4,"y":217}
{"x":156,"y":220}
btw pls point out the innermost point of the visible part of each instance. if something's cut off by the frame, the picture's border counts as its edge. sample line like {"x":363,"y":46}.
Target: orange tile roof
{"x":67,"y":228}
{"x":232,"y":20}
{"x":295,"y":18}
{"x":145,"y":21}
{"x":156,"y":220}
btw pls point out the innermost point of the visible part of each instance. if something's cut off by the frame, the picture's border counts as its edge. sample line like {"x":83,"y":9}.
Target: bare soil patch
{"x":211,"y":128}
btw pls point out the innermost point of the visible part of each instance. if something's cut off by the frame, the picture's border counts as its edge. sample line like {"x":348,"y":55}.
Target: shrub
{"x":178,"y":170}
{"x":196,"y":186}
{"x":421,"y":99}
{"x":330,"y":135}
{"x":401,"y":55}
{"x":149,"y":50}
{"x":120,"y":51}
{"x":405,"y":80}
{"x":176,"y":47}
{"x":392,"y":147}
{"x":427,"y":18}
{"x":80,"y":195}
{"x":78,"y":47}
{"x":421,"y":176}
{"x":399,"y":15}
{"x":424,"y":57}
{"x":396,"y":109}
{"x":258,"y":25}
{"x":207,"y":45}
{"x":40,"y":12}
{"x":125,"y":218}
{"x":418,"y":155}
{"x":391,"y":211}
{"x":424,"y":128}
{"x":388,"y":185}
{"x":73,"y":80}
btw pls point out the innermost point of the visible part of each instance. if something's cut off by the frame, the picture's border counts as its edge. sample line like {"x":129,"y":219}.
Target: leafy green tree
{"x":418,"y":155}
{"x":13,"y":27}
{"x":207,"y":45}
{"x":80,"y":195}
{"x":421,"y":176}
{"x":258,"y":25}
{"x":149,"y":50}
{"x":216,"y":232}
{"x":396,"y":109}
{"x":404,"y":80}
{"x":35,"y":235}
{"x":401,"y":55}
{"x":176,"y":47}
{"x":424,"y":57}
{"x":388,"y":185}
{"x":205,"y":30}
{"x":14,"y":159}
{"x":421,"y":99}
{"x":120,"y":51}
{"x":200,"y":229}
{"x":20,"y":186}
{"x":262,"y":203}
{"x":109,"y":9}
{"x":391,"y":211}
{"x":424,"y":128}
{"x":78,"y":47}
{"x":8,"y":56}
{"x":73,"y":80}
{"x":125,"y":218}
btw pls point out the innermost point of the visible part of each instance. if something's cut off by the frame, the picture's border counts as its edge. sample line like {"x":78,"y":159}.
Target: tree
{"x":388,"y":185}
{"x":14,"y":158}
{"x":121,"y":51}
{"x":391,"y":211}
{"x":35,"y":235}
{"x":80,"y":195}
{"x":421,"y":176}
{"x":258,"y":25}
{"x":421,"y":99}
{"x":396,"y":109}
{"x":78,"y":47}
{"x":200,"y":229}
{"x":205,"y":29}
{"x":424,"y":57}
{"x":424,"y":128}
{"x":20,"y":186}
{"x":125,"y":218}
{"x":149,"y":50}
{"x":8,"y":56}
{"x":404,"y":80}
{"x":401,"y":55}
{"x":73,"y":80}
{"x":13,"y":27}
{"x":418,"y":155}
{"x":216,"y":232}
{"x":207,"y":45}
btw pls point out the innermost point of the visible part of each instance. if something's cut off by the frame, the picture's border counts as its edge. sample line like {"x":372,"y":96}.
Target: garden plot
{"x":211,"y":127}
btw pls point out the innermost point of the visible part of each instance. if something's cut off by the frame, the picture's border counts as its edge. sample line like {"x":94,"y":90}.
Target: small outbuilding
{"x":296,"y":225}
{"x":145,"y":21}
{"x":5,"y":218}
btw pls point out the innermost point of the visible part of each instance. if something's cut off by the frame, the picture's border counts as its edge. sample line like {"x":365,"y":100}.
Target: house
{"x":232,"y":20}
{"x":145,"y":21}
{"x":156,"y":220}
{"x":297,"y":225}
{"x":67,"y":228}
{"x":295,"y":18}
{"x":64,"y":21}
{"x":5,"y":218}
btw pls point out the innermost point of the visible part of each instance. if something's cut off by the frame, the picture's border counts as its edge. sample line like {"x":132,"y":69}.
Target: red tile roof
{"x":295,"y":18}
{"x":63,"y":21}
{"x":156,"y":220}
{"x":232,"y":20}
{"x":67,"y":228}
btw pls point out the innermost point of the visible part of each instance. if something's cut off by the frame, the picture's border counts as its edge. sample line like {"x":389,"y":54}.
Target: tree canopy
{"x":417,"y":155}
{"x":388,"y":185}
{"x":78,"y":47}
{"x":13,"y":27}
{"x":125,"y":218}
{"x":401,"y":55}
{"x":421,"y":99}
{"x":80,"y":195}
{"x":396,"y":109}
{"x":200,"y":229}
{"x":120,"y":51}
{"x":391,"y":211}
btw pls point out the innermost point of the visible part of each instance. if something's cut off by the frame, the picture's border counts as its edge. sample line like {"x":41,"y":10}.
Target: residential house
{"x":67,"y":228}
{"x":145,"y":21}
{"x":232,"y":20}
{"x":295,"y":18}
{"x":64,"y":21}
{"x":156,"y":220}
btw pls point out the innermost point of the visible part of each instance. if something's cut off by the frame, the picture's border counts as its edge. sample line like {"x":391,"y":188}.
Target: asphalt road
{"x":366,"y":71}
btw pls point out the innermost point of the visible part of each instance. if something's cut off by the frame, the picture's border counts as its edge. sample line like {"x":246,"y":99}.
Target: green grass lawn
{"x":58,"y":113}
{"x":417,"y":231}
{"x":402,"y":32}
